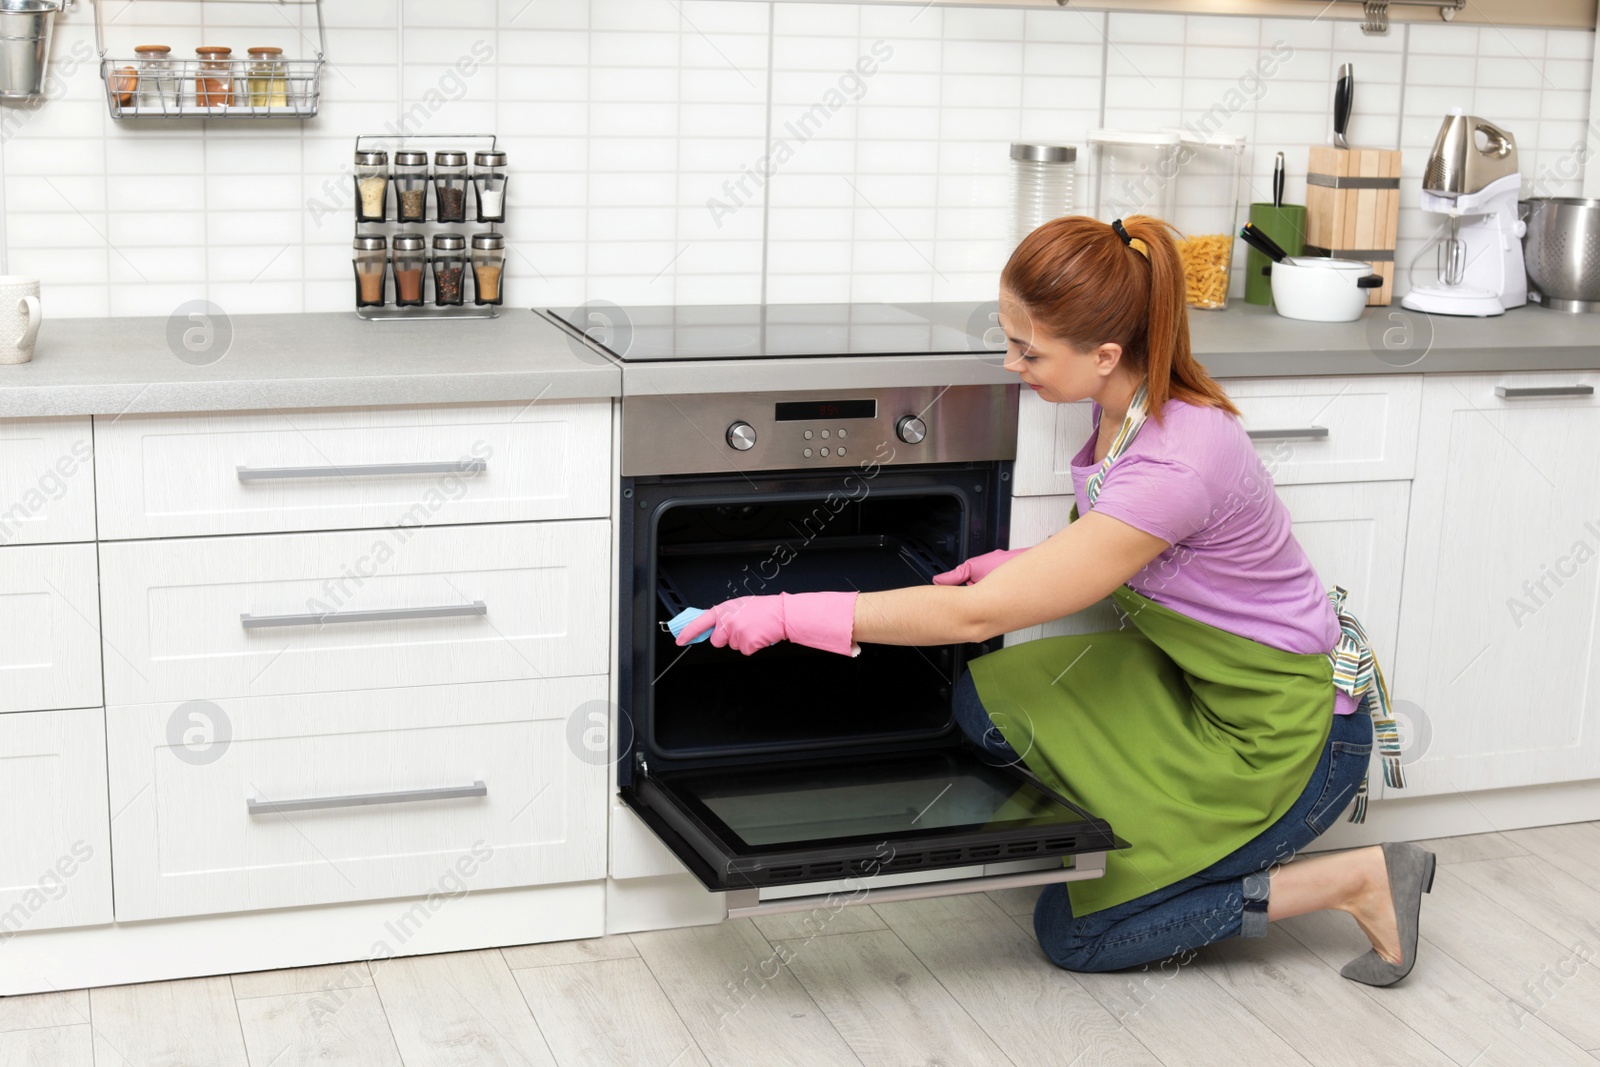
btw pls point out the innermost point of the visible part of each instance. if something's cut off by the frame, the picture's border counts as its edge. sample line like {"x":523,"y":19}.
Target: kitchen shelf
{"x":178,"y":94}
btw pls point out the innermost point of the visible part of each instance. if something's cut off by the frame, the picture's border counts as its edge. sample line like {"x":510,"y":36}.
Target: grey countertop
{"x":133,"y":365}
{"x":254,"y":362}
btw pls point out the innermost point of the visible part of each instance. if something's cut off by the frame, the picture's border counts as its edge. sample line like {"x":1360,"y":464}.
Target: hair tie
{"x":1121,"y":231}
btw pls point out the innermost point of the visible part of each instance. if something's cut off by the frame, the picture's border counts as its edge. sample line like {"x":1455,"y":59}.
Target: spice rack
{"x":471,"y":228}
{"x":267,"y":86}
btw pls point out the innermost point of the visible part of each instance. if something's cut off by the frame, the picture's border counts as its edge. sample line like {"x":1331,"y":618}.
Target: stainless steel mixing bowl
{"x":1562,"y":251}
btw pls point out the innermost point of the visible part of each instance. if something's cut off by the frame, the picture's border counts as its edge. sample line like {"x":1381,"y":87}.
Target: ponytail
{"x":1089,"y":287}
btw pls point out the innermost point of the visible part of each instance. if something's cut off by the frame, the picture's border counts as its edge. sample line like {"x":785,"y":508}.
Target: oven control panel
{"x":707,"y":433}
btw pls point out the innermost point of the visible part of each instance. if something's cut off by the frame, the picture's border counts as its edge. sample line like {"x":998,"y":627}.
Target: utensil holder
{"x":1285,"y":225}
{"x":1353,"y":209}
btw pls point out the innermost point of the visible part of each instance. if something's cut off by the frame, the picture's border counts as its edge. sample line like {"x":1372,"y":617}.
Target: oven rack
{"x":702,"y":575}
{"x":178,"y":93}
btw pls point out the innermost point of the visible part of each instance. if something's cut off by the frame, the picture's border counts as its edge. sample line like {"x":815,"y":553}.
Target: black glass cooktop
{"x":775,"y":331}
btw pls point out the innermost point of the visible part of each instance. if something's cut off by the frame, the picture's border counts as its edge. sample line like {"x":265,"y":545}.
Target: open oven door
{"x":808,"y":833}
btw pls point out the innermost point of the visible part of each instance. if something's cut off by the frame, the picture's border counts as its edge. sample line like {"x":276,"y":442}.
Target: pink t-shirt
{"x":1194,"y":480}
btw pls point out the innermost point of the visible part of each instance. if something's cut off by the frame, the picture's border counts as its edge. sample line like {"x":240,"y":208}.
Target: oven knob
{"x":742,"y":436}
{"x":911,"y":429}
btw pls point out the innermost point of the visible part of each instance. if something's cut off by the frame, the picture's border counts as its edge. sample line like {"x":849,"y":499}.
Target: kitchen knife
{"x":1277,"y":182}
{"x":1344,"y":94}
{"x":1257,"y":239}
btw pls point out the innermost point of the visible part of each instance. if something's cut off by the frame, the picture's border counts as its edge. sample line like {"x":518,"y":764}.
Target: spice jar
{"x":489,"y":185}
{"x":411,"y":186}
{"x":371,"y":262}
{"x":410,"y":259}
{"x":450,"y":185}
{"x":488,"y":261}
{"x":213,"y":85}
{"x":268,"y":78}
{"x":158,"y":86}
{"x":449,"y":268}
{"x":372,"y":185}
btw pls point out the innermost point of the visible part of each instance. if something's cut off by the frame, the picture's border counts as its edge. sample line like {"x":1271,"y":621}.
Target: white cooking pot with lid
{"x":1320,"y":289}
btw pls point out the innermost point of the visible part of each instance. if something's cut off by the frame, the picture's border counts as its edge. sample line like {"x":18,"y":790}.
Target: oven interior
{"x":717,"y":701}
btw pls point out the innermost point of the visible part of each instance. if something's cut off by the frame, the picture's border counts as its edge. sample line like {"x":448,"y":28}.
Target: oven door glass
{"x":789,"y":823}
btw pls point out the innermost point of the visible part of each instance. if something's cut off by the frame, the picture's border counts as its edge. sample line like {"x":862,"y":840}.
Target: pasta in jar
{"x":1206,"y":259}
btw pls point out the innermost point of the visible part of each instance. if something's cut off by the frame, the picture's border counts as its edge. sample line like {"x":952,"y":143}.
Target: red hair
{"x":1083,"y":285}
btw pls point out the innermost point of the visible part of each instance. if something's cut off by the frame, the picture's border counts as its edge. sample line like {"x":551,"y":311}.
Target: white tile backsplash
{"x":656,"y":158}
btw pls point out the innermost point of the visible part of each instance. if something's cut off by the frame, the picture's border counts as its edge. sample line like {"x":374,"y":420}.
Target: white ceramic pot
{"x":1322,"y":290}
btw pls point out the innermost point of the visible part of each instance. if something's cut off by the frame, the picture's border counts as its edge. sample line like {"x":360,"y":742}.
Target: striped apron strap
{"x":1124,"y":439}
{"x":1356,"y":672}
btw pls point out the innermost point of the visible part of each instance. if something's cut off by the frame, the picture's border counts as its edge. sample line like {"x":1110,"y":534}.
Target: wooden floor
{"x":1509,"y":973}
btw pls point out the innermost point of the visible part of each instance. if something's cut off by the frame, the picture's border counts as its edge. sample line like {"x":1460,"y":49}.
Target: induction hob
{"x":779,"y":331}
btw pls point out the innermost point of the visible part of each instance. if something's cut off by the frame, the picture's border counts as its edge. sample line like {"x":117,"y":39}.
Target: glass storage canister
{"x":450,"y":185}
{"x":371,"y":264}
{"x":1132,"y":173}
{"x":449,"y":269}
{"x":158,"y":85}
{"x":411,"y":186}
{"x":1042,"y":177}
{"x":488,"y":266}
{"x":489,"y":185}
{"x":1206,"y":212}
{"x":372,"y":185}
{"x":410,"y":262}
{"x":268,"y":78}
{"x":213,"y":84}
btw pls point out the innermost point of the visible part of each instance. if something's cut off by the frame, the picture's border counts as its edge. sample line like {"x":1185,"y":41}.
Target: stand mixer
{"x":1472,"y":179}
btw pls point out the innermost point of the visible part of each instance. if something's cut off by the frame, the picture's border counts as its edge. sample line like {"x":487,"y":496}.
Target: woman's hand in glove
{"x":751,"y":623}
{"x":977,"y":568}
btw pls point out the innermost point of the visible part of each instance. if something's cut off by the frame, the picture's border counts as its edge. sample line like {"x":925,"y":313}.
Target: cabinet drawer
{"x":46,"y":481}
{"x":272,"y":802}
{"x":1048,"y":436}
{"x":55,"y":868}
{"x":170,"y":476}
{"x":309,"y":613}
{"x":49,"y":628}
{"x":1311,"y":430}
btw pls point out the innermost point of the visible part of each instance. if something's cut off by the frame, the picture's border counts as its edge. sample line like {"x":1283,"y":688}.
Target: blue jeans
{"x":1226,"y":899}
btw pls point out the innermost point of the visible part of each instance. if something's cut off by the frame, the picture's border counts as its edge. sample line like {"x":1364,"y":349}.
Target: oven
{"x":795,"y":778}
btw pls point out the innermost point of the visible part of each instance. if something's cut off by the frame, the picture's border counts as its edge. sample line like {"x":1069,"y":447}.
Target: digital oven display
{"x":813,"y":410}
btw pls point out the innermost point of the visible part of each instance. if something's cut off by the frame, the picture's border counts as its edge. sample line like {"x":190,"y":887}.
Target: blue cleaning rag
{"x":679,"y":622}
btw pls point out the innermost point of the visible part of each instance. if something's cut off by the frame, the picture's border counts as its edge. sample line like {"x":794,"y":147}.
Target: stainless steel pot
{"x":25,"y":27}
{"x":1562,"y":250}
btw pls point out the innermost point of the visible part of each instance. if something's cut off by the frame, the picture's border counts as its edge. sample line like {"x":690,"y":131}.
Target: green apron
{"x":1189,"y":739}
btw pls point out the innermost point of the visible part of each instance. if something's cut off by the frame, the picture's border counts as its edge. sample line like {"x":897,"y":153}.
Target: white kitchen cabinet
{"x":1308,"y":430}
{"x":181,"y":475}
{"x":55,"y":866}
{"x":1034,"y":519}
{"x":210,"y":618}
{"x":271,"y":802}
{"x":1313,"y":430}
{"x":1048,"y":436}
{"x":49,"y":628}
{"x":1354,"y":533}
{"x":1502,"y":583}
{"x":46,"y":481}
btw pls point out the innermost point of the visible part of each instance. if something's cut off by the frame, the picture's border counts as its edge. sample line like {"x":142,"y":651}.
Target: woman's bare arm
{"x":1073,"y":569}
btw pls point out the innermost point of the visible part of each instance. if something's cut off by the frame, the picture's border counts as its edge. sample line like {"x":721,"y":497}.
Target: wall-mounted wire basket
{"x":264,"y":86}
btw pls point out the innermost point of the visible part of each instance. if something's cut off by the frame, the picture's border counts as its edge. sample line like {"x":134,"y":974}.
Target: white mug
{"x":20,"y":317}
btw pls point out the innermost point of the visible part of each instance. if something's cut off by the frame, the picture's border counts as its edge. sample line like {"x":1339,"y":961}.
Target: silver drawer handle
{"x":253,"y":622}
{"x":359,"y":800}
{"x":1514,"y":392}
{"x":1303,"y":433}
{"x":364,"y":470}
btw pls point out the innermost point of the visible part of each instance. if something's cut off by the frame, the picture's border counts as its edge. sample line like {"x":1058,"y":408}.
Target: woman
{"x":1231,"y":719}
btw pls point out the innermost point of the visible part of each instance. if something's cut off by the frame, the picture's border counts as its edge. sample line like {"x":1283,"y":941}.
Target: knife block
{"x":1353,"y":209}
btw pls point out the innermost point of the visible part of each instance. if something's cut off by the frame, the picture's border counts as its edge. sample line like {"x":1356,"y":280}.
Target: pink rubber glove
{"x":751,"y":623}
{"x":977,"y":568}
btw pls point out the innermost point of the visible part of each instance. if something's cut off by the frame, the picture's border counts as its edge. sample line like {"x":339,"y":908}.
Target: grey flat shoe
{"x":1410,"y":876}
